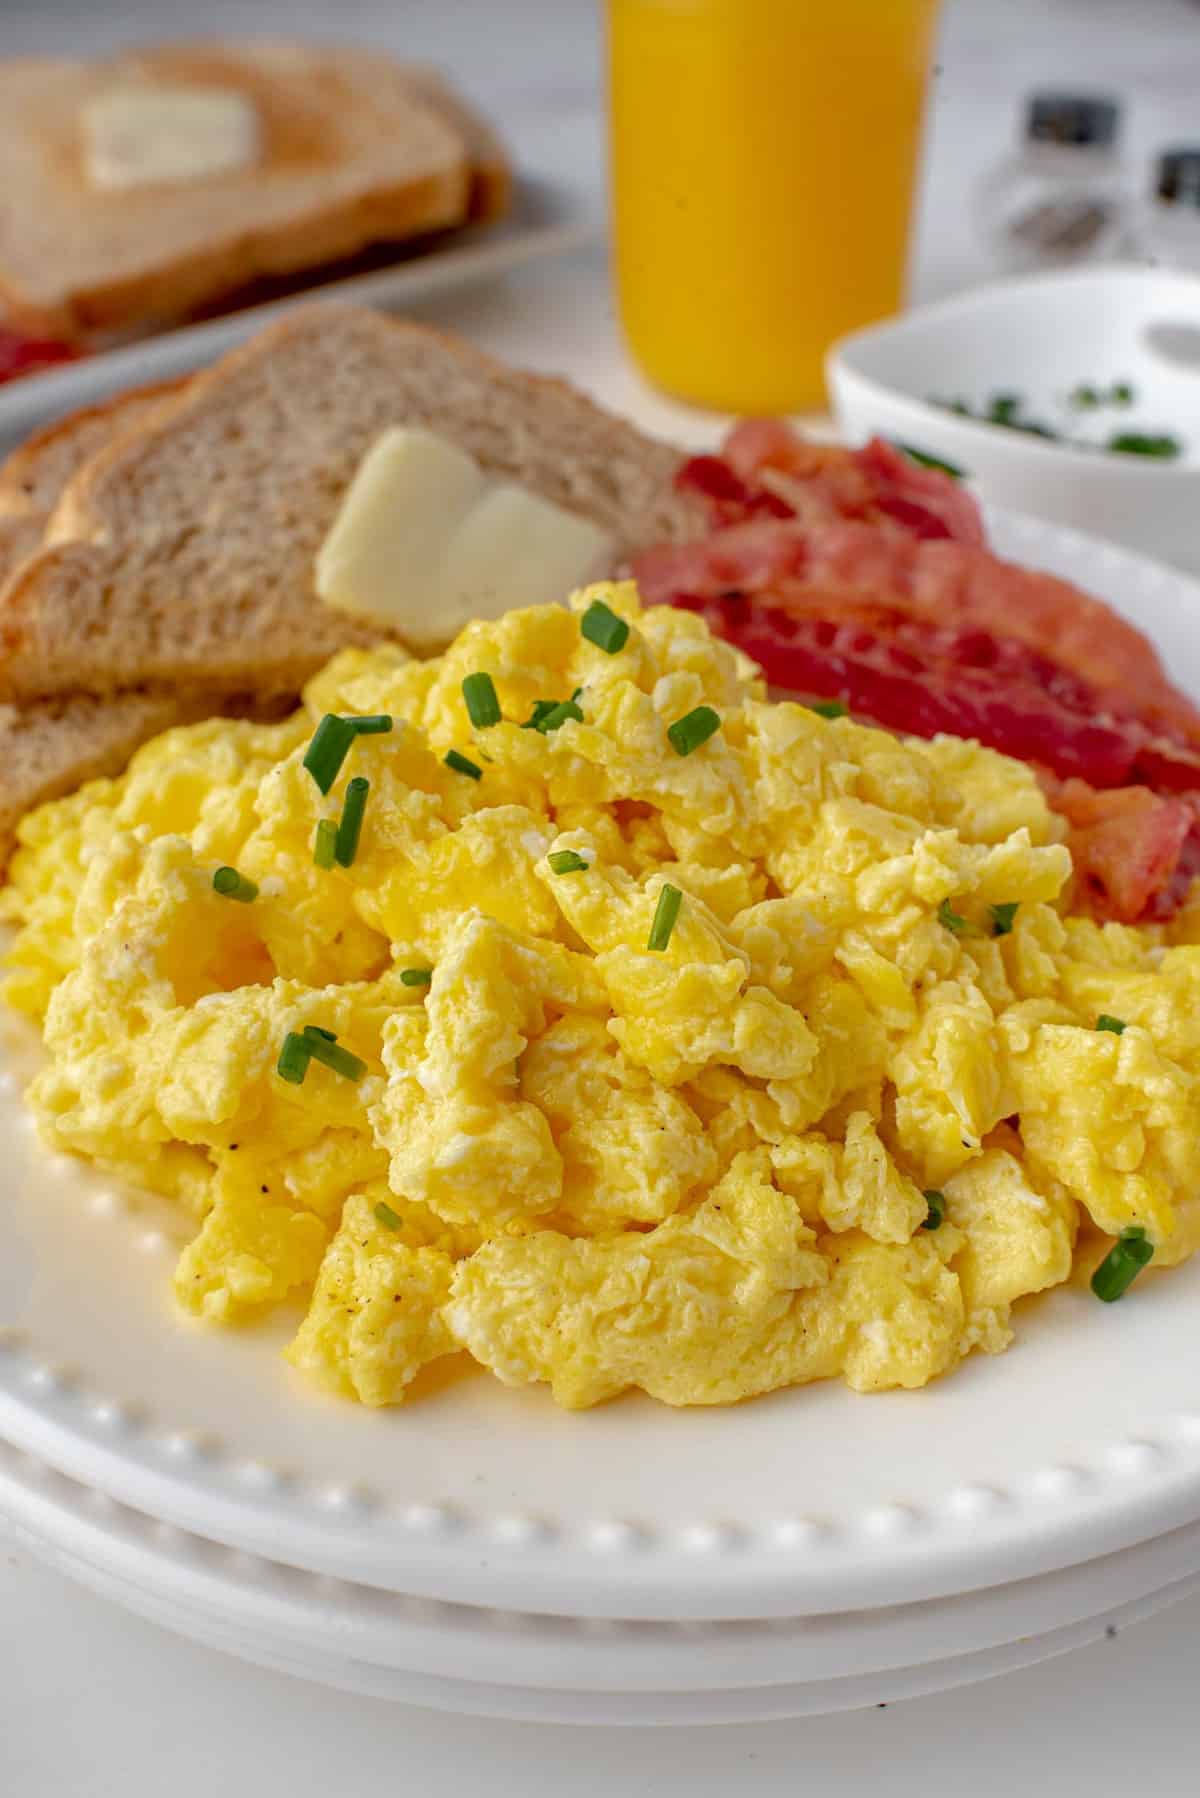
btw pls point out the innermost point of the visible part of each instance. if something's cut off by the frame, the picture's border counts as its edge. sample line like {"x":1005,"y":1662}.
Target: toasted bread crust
{"x":183,"y":552}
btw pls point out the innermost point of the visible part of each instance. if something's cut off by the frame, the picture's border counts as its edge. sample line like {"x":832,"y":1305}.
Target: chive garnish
{"x":1160,"y":444}
{"x":665,"y":914}
{"x":416,"y":976}
{"x":483,"y":705}
{"x":695,"y":727}
{"x":1116,"y":1025}
{"x":829,"y":708}
{"x":330,"y":1036}
{"x":1003,"y":915}
{"x":566,"y":861}
{"x":558,"y":715}
{"x":923,"y":459}
{"x":462,"y":764}
{"x":293,"y":1058}
{"x":601,"y":626}
{"x":328,"y":750}
{"x":335,"y":1057}
{"x":935,"y":1216}
{"x":541,"y":709}
{"x":350,"y":827}
{"x":325,"y":843}
{"x":374,"y":724}
{"x":387,"y":1217}
{"x":232,"y":885}
{"x":953,"y":921}
{"x":1121,"y":1266}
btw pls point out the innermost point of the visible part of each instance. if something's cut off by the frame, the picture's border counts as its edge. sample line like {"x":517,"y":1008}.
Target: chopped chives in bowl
{"x":601,"y":626}
{"x":695,"y":727}
{"x":483,"y":704}
{"x":232,"y":885}
{"x":665,"y":914}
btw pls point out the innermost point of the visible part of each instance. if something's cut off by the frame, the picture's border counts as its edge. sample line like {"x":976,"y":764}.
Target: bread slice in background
{"x":183,"y":554}
{"x":353,"y":154}
{"x":491,"y":189}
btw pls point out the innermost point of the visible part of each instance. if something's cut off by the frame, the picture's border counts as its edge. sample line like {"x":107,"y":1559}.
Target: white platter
{"x":1081,"y":1441}
{"x":521,"y":1665}
{"x":546,"y":219}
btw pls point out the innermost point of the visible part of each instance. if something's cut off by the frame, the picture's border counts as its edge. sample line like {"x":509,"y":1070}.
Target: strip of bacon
{"x":1128,"y":847}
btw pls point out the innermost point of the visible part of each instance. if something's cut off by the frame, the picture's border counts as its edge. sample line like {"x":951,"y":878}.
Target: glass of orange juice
{"x":763,"y":160}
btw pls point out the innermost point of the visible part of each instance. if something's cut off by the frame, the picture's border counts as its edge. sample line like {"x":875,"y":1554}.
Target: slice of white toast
{"x":183,"y":555}
{"x":350,"y":149}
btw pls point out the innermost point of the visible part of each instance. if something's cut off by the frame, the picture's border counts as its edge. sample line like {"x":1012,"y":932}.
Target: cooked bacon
{"x":1128,"y":847}
{"x":863,"y":576}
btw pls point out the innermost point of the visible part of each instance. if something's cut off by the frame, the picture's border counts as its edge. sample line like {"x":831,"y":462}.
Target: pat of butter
{"x":140,"y":136}
{"x":424,"y":542}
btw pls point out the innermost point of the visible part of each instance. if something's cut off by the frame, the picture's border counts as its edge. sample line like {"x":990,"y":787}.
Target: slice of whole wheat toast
{"x":53,"y":747}
{"x":351,"y":154}
{"x":32,"y":478}
{"x":183,"y":554}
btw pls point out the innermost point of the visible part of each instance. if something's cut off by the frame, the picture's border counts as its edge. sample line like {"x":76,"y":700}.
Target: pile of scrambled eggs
{"x":706,"y":1169}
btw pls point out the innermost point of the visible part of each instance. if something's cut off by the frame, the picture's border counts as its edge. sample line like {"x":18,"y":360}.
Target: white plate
{"x":1042,"y":336}
{"x":518,"y":1664}
{"x":546,"y":219}
{"x":1082,"y":1440}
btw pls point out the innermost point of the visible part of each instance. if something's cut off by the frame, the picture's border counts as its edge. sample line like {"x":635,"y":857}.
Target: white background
{"x":93,"y":1702}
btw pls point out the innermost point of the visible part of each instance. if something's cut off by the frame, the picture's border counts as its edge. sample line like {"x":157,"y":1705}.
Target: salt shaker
{"x":1064,"y":198}
{"x":1170,"y":224}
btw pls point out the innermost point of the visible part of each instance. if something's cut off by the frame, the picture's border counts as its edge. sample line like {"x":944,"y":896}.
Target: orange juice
{"x":763,"y":160}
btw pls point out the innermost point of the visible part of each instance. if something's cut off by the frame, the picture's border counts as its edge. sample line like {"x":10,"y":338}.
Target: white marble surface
{"x":93,"y":1702}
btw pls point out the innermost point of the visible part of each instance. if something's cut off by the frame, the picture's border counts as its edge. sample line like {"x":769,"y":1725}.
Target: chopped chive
{"x":462,"y":764}
{"x":330,"y":1036}
{"x":1160,"y":444}
{"x":350,"y":827}
{"x":1084,"y":397}
{"x":923,"y":459}
{"x":1121,"y":1266}
{"x":387,"y":1217}
{"x":953,"y":921}
{"x":1121,"y":394}
{"x":566,"y":861}
{"x":1003,"y":408}
{"x":830,"y":708}
{"x":375,"y":724}
{"x":1116,"y":1025}
{"x":935,"y":1216}
{"x":335,"y":1057}
{"x":293,"y":1058}
{"x":1003,"y":915}
{"x":325,"y":843}
{"x":541,"y":709}
{"x":695,"y":727}
{"x":665,"y":914}
{"x":328,"y":750}
{"x":416,"y":976}
{"x":483,"y":705}
{"x":558,"y":715}
{"x":232,"y":885}
{"x":601,"y":626}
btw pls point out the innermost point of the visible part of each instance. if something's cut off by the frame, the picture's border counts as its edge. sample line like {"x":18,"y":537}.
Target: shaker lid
{"x":1079,"y":120}
{"x":1177,"y":176}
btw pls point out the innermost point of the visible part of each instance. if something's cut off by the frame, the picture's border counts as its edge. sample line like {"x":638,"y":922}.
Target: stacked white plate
{"x":480,"y":1550}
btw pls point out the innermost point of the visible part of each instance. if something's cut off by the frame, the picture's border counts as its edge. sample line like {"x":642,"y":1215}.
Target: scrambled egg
{"x":702,"y":1168}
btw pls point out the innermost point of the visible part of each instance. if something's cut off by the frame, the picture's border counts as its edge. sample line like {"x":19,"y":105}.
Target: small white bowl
{"x":1041,"y":337}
